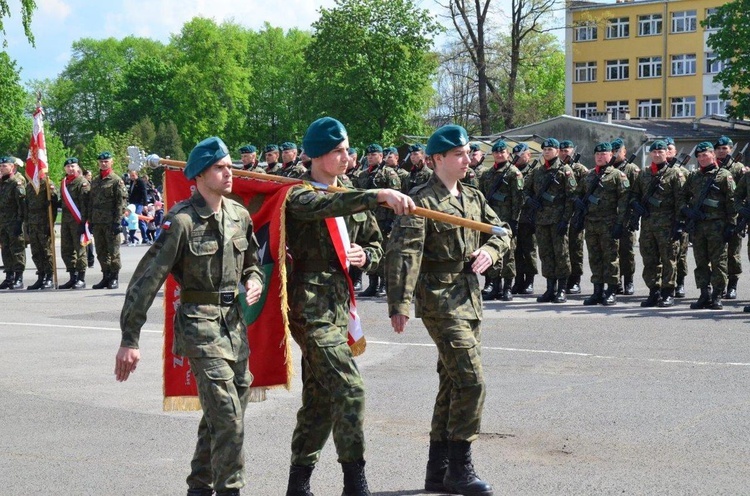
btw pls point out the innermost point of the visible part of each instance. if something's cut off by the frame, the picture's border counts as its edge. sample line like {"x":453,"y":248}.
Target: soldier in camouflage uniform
{"x":608,"y":191}
{"x":723,"y":150}
{"x":12,"y":213}
{"x":626,"y":253}
{"x":37,"y":225}
{"x":353,"y":168}
{"x":656,"y":198}
{"x":575,"y":239}
{"x":74,"y":192}
{"x":438,"y":263}
{"x":552,"y":200}
{"x":711,"y":224}
{"x":502,"y":186}
{"x":475,"y":167}
{"x":391,"y":158}
{"x":419,"y":173}
{"x":525,"y":239}
{"x":249,"y":157}
{"x":742,"y":206}
{"x":333,"y":393}
{"x":271,"y":156}
{"x":374,"y":157}
{"x":207,"y":244}
{"x":107,"y":201}
{"x":289,"y":167}
{"x":684,"y":241}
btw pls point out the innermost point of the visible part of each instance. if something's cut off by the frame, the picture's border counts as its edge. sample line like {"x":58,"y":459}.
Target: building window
{"x":586,"y":32}
{"x":714,"y":65}
{"x":582,"y":110}
{"x":649,"y":109}
{"x":617,"y":70}
{"x":618,"y":108}
{"x":649,"y":67}
{"x":683,"y":65}
{"x":709,"y":13}
{"x":683,"y":106}
{"x":585,"y":72}
{"x":715,"y":105}
{"x":618,"y":27}
{"x":649,"y":25}
{"x":685,"y":21}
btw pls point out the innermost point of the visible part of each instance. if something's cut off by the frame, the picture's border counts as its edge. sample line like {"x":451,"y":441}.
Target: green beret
{"x":6,"y":159}
{"x":71,"y":160}
{"x":374,"y":148}
{"x":520,"y":148}
{"x":352,"y":150}
{"x":322,"y":136}
{"x":248,"y":149}
{"x":703,"y":147}
{"x":104,"y":156}
{"x":416,"y":147}
{"x":474,"y":147}
{"x":723,"y":141}
{"x":288,"y":145}
{"x":605,"y":146}
{"x":567,"y":144}
{"x":550,"y":143}
{"x":658,"y":145}
{"x":617,"y":144}
{"x":271,"y":148}
{"x":389,"y":150}
{"x":499,"y":146}
{"x":669,"y":140}
{"x":204,"y":155}
{"x":447,"y":138}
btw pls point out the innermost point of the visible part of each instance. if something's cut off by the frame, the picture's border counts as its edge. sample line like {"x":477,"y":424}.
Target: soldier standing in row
{"x":419,"y":173}
{"x":626,"y":250}
{"x":37,"y":223}
{"x":106,"y":204}
{"x":249,"y":158}
{"x":437,"y":264}
{"x":723,"y":151}
{"x":708,"y":208}
{"x":684,"y":242}
{"x":575,"y":239}
{"x":271,"y":155}
{"x":12,"y":213}
{"x":525,"y":253}
{"x":742,"y":207}
{"x":74,"y":194}
{"x":391,"y":158}
{"x":290,"y":167}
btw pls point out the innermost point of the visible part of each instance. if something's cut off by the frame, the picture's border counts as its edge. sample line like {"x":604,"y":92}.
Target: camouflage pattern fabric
{"x":525,"y":253}
{"x":291,"y":169}
{"x":418,"y":175}
{"x":71,"y":251}
{"x":37,"y":224}
{"x":107,"y":200}
{"x":742,"y":195}
{"x":502,"y":186}
{"x":626,"y":250}
{"x":12,"y":213}
{"x":575,"y":239}
{"x":734,"y":248}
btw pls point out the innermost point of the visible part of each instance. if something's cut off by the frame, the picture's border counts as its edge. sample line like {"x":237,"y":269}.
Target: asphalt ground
{"x":580,"y":401}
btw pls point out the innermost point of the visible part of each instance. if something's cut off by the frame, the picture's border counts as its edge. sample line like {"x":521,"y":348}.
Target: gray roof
{"x":691,"y":129}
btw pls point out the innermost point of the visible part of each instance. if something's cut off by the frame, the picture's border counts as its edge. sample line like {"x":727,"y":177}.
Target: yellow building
{"x":641,"y":59}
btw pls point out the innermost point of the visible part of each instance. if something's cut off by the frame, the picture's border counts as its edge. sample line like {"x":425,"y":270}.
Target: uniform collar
{"x":204,"y":211}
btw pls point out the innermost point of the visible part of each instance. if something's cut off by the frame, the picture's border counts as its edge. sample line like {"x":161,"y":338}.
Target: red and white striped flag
{"x":36,"y":162}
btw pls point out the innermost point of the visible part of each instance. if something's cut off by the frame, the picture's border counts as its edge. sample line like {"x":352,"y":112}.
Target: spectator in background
{"x":138,"y":196}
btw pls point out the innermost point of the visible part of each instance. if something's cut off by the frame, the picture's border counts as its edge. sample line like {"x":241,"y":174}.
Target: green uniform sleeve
{"x":403,"y":258}
{"x":305,"y":203}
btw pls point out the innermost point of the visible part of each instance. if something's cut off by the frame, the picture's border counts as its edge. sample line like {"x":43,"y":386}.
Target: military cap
{"x":658,"y":145}
{"x":617,"y":144}
{"x":204,"y":155}
{"x":474,"y":147}
{"x":669,"y":140}
{"x":6,"y":159}
{"x":71,"y":160}
{"x":446,"y":138}
{"x":605,"y":146}
{"x":322,"y":136}
{"x":288,"y":145}
{"x":248,"y":149}
{"x":550,"y":143}
{"x":704,"y":146}
{"x":499,"y":146}
{"x":520,"y":148}
{"x":104,"y":156}
{"x":271,"y":148}
{"x":389,"y":150}
{"x":724,"y":141}
{"x":416,"y":147}
{"x":374,"y":148}
{"x":567,"y":144}
{"x":352,"y":150}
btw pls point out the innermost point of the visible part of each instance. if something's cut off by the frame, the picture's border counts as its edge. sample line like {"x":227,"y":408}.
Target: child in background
{"x":132,"y":220}
{"x":158,"y":217}
{"x":151,"y":225}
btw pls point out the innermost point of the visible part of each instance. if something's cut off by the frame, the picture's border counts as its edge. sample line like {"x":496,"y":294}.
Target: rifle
{"x":647,"y":200}
{"x":572,"y":160}
{"x":582,"y":208}
{"x":738,"y":156}
{"x":698,"y":204}
{"x":672,"y":161}
{"x":741,"y":222}
{"x":541,"y":195}
{"x":497,"y":182}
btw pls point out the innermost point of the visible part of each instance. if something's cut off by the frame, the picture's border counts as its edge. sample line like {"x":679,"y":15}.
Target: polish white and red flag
{"x":36,"y":162}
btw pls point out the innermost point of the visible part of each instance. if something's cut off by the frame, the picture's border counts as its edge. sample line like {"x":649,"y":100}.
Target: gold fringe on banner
{"x":359,"y":347}
{"x":182,"y":404}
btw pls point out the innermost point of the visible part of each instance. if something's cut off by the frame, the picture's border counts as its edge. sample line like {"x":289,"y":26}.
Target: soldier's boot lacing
{"x":598,"y":295}
{"x":716,"y":303}
{"x":71,"y":282}
{"x":704,"y":300}
{"x":609,"y":298}
{"x":48,"y":283}
{"x":550,"y":293}
{"x":299,"y":480}
{"x":628,"y":287}
{"x":654,"y":296}
{"x":560,"y":295}
{"x":732,"y":288}
{"x":437,"y":464}
{"x":113,"y":282}
{"x":103,"y":283}
{"x":81,"y":280}
{"x":574,"y":284}
{"x":679,"y":290}
{"x":355,"y":482}
{"x":372,"y":288}
{"x":39,"y":282}
{"x":17,"y":281}
{"x":506,"y":294}
{"x":667,"y":298}
{"x":461,"y":478}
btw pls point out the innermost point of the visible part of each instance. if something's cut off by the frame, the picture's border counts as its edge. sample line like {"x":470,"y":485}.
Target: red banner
{"x":36,"y":161}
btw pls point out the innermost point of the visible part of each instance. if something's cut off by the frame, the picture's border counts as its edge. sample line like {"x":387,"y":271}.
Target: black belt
{"x":447,"y":267}
{"x":223,"y":298}
{"x":317,"y":266}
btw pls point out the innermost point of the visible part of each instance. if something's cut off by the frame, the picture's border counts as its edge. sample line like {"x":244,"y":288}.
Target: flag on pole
{"x":36,"y":162}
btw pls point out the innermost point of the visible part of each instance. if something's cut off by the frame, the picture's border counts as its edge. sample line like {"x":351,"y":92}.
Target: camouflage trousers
{"x":626,"y":254}
{"x":73,"y":254}
{"x":553,"y":250}
{"x":223,"y":390}
{"x":14,"y":248}
{"x":682,"y":265}
{"x":41,"y":252}
{"x":710,"y":252}
{"x":505,"y":267}
{"x":734,"y":255}
{"x":575,"y":250}
{"x":457,"y":414}
{"x":603,"y":251}
{"x":525,"y":252}
{"x":333,"y":396}
{"x":107,"y":247}
{"x":659,"y":255}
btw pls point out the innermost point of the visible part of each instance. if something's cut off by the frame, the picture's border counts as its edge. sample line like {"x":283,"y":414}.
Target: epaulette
{"x":417,"y":189}
{"x":476,"y":188}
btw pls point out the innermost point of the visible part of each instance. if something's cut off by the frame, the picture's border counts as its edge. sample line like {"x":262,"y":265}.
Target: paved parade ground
{"x":580,"y":400}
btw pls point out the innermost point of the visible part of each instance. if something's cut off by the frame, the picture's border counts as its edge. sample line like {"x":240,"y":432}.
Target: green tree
{"x":146,"y":90}
{"x":114,"y":142}
{"x":27,"y":9}
{"x":370,"y":66}
{"x":145,"y":132}
{"x":56,"y":155}
{"x":15,"y":130}
{"x":167,"y":142}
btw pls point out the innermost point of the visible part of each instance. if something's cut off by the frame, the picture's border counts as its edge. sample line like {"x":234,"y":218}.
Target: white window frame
{"x":583,"y":109}
{"x":618,"y":108}
{"x":586,"y":32}
{"x":683,"y":64}
{"x":585,"y":72}
{"x":682,"y":106}
{"x":710,"y":12}
{"x":714,"y":65}
{"x":652,"y":65}
{"x":649,"y":108}
{"x":617,"y":70}
{"x":618,"y":27}
{"x":684,"y":21}
{"x":714,"y":105}
{"x":653,"y":23}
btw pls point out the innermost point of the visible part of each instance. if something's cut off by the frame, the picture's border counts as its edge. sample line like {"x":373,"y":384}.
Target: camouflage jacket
{"x":418,"y":175}
{"x":473,"y":174}
{"x":719,"y":204}
{"x":107,"y":199}
{"x":274,"y":168}
{"x":37,"y":203}
{"x":79,"y":190}
{"x":425,"y":258}
{"x":557,"y":199}
{"x":318,"y":291}
{"x":12,"y":200}
{"x":664,"y":205}
{"x":502,"y":185}
{"x":383,"y":177}
{"x":293,"y":170}
{"x":526,"y":171}
{"x":608,"y":201}
{"x":742,"y":191}
{"x":206,"y":255}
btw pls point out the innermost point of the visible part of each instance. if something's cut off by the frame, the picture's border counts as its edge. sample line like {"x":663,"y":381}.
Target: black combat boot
{"x":103,"y":283}
{"x":628,"y":288}
{"x":609,"y":298}
{"x":203,"y":491}
{"x":299,"y":480}
{"x":574,"y":284}
{"x":732,"y":288}
{"x":356,"y":275}
{"x":507,"y":294}
{"x":488,"y":287}
{"x":560,"y":295}
{"x":679,"y":290}
{"x":113,"y":282}
{"x":598,"y":295}
{"x":228,"y":492}
{"x":654,"y":296}
{"x":381,"y":288}
{"x":48,"y":284}
{"x":460,"y":478}
{"x":355,"y":483}
{"x":528,"y":284}
{"x":71,"y":282}
{"x":716,"y":303}
{"x":436,"y":466}
{"x":667,"y":297}
{"x":17,"y":281}
{"x":550,"y":293}
{"x":519,"y":285}
{"x":81,"y":282}
{"x":704,"y":300}
{"x":372,"y":288}
{"x":8,"y":282}
{"x":39,"y":282}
